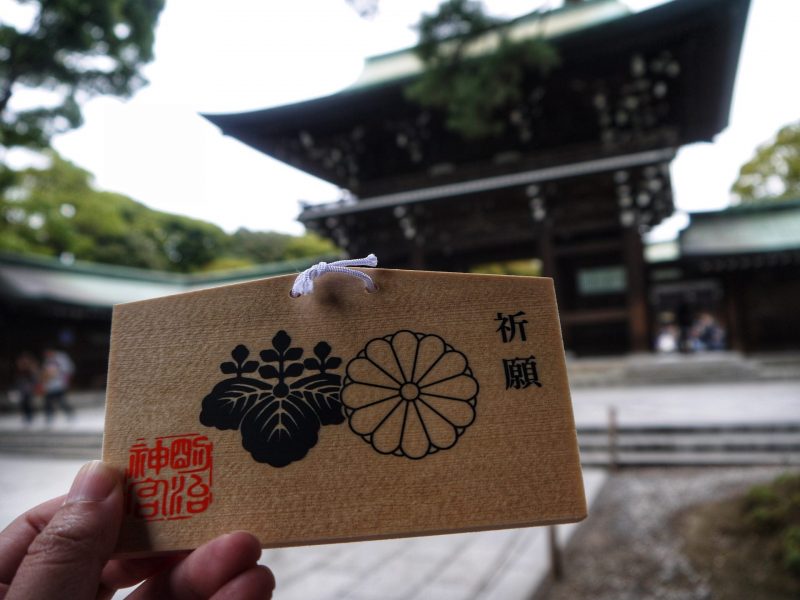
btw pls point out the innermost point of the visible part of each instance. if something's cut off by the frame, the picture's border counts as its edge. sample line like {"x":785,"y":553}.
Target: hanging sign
{"x":437,"y":403}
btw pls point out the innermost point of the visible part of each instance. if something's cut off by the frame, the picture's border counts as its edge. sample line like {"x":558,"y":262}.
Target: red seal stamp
{"x":170,"y":479}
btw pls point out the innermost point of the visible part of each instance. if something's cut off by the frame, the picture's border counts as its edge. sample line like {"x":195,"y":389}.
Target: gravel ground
{"x":630,"y":547}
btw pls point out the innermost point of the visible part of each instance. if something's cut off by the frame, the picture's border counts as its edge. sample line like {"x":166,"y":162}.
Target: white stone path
{"x":505,"y":565}
{"x":679,"y":404}
{"x":501,"y":564}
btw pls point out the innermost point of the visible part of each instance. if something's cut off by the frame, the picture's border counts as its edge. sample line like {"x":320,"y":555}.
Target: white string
{"x":304,"y":284}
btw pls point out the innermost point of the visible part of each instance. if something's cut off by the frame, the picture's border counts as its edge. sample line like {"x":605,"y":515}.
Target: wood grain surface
{"x":444,"y":426}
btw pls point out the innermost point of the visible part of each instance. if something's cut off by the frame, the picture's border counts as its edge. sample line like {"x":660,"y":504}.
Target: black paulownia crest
{"x":279,"y":414}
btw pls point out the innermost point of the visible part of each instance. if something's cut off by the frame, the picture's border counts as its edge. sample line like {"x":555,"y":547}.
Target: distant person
{"x":56,"y":374}
{"x":710,"y":335}
{"x":667,"y":340}
{"x":26,"y":373}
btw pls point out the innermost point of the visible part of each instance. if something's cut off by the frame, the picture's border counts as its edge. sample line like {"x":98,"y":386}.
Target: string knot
{"x":304,"y":284}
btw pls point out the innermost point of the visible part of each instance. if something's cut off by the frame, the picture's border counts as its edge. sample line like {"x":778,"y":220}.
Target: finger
{"x":66,"y":558}
{"x":205,"y":570}
{"x":125,"y":573}
{"x":15,"y":539}
{"x":254,"y":584}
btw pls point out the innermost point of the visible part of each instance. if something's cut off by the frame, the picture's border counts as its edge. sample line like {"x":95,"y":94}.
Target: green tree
{"x":309,"y":245}
{"x":270,"y":246}
{"x":531,"y":267}
{"x":56,"y":212}
{"x":75,"y":49}
{"x":259,"y":246}
{"x":227,"y":263}
{"x":774,"y":171}
{"x":474,"y":87}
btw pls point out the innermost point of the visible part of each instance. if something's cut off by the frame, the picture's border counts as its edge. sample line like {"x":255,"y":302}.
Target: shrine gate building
{"x":579,"y":175}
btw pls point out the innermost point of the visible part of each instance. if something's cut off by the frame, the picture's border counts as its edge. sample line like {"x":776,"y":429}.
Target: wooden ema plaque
{"x":437,"y":404}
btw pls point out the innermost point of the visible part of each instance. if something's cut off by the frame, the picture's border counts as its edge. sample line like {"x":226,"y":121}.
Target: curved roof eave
{"x":397,"y":68}
{"x":308,"y":113}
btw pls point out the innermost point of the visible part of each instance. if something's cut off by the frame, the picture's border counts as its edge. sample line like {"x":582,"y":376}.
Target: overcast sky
{"x":235,"y":55}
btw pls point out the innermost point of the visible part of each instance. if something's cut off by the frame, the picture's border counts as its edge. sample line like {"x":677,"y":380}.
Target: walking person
{"x":26,"y":373}
{"x":56,"y":374}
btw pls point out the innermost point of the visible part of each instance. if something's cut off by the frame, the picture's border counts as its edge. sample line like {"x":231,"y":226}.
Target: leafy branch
{"x":74,"y":50}
{"x":774,"y":170}
{"x":476,"y":89}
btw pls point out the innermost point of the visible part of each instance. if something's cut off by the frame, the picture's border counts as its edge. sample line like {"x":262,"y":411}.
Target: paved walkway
{"x":500,"y":564}
{"x":86,"y":419}
{"x":504,"y":565}
{"x":695,"y":404}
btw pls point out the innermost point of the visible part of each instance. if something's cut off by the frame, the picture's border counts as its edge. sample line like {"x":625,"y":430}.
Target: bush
{"x":791,"y":550}
{"x":775,"y":509}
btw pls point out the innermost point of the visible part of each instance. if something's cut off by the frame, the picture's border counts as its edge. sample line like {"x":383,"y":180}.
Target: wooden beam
{"x":638,"y":325}
{"x":593,"y":315}
{"x":590,"y":247}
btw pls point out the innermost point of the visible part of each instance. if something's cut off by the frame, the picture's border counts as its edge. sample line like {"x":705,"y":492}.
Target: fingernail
{"x":94,"y":482}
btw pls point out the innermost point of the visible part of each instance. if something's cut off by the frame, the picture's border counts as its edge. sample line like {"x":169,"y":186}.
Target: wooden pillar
{"x":417,"y":258}
{"x":546,"y":251}
{"x":613,"y":453}
{"x":638,"y":324}
{"x":556,"y":559}
{"x":731,"y":299}
{"x":547,"y":255}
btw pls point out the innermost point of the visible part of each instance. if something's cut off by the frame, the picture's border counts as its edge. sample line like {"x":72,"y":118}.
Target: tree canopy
{"x":774,"y":171}
{"x":73,"y":50}
{"x":56,"y":212}
{"x":475,"y":88}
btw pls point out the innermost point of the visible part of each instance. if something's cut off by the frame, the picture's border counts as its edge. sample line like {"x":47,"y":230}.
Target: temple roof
{"x":750,"y":228}
{"x":570,"y":18}
{"x":628,"y":83}
{"x":92,"y":285}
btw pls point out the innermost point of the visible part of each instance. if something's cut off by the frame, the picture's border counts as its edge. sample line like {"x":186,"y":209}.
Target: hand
{"x":61,"y":549}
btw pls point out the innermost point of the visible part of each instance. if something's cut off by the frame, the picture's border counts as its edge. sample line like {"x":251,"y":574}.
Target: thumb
{"x":65,"y":560}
